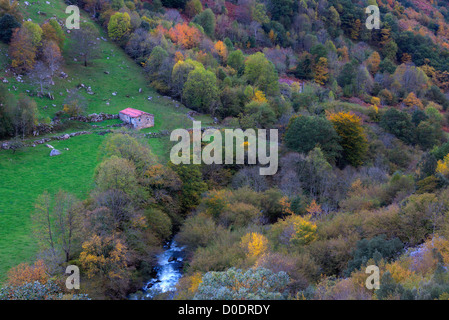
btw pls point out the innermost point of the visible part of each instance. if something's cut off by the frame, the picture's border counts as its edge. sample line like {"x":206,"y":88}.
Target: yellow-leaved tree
{"x":353,"y":137}
{"x":254,"y":244}
{"x":304,"y":231}
{"x":259,"y":96}
{"x":443,"y":166}
{"x":413,"y":101}
{"x":321,"y":71}
{"x":221,"y":50}
{"x":104,"y":257}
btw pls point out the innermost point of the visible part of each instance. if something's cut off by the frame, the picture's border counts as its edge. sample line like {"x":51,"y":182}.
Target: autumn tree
{"x":22,"y":51}
{"x":75,"y":104}
{"x":355,"y":31}
{"x":321,"y":71}
{"x":221,"y":50}
{"x":105,"y":261}
{"x":304,"y":231}
{"x":11,"y":8}
{"x":443,"y":166}
{"x":24,"y":273}
{"x":352,"y":135}
{"x":52,"y":31}
{"x":186,"y":36}
{"x":259,"y":13}
{"x":254,"y":244}
{"x":373,"y":62}
{"x":413,"y":101}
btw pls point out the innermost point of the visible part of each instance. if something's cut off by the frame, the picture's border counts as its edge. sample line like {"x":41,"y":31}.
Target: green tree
{"x":200,"y":90}
{"x":304,"y":133}
{"x":24,"y":116}
{"x":236,"y":60}
{"x":180,"y":74}
{"x":119,"y":26}
{"x":428,"y":135}
{"x":7,"y":25}
{"x":154,"y":62}
{"x":127,"y":147}
{"x":259,"y":13}
{"x":304,"y":67}
{"x":7,"y":105}
{"x":206,"y":19}
{"x":376,"y":248}
{"x":192,"y":185}
{"x":116,"y":173}
{"x":398,"y":123}
{"x":35,"y":32}
{"x":261,"y":72}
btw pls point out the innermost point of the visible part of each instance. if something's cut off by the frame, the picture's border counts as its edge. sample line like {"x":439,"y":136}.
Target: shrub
{"x":198,"y":231}
{"x":376,"y":248}
{"x":159,"y":222}
{"x":235,"y":284}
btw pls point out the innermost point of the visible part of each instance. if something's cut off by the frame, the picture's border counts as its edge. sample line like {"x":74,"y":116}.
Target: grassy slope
{"x":27,"y":173}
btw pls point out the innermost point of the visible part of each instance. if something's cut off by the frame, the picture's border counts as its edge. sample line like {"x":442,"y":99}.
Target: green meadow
{"x":27,"y":173}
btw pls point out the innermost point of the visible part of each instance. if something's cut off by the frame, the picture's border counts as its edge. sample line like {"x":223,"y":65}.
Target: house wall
{"x":124,"y":118}
{"x":144,"y":121}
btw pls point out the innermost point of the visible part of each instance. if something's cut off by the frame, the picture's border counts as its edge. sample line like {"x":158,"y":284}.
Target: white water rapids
{"x":168,"y":271}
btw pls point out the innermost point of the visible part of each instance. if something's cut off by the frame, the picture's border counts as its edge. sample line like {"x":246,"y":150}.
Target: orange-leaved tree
{"x":24,"y":273}
{"x":184,"y":35}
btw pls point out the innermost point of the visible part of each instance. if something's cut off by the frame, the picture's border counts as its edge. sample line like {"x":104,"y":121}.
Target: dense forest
{"x":363,"y":173}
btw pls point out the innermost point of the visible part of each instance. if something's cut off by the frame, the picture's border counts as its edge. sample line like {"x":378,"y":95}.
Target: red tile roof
{"x":133,"y":113}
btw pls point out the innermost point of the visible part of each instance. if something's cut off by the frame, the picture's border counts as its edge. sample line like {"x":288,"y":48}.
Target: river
{"x":168,"y":272}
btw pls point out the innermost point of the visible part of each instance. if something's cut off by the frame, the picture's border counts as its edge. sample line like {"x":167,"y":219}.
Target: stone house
{"x":138,"y":119}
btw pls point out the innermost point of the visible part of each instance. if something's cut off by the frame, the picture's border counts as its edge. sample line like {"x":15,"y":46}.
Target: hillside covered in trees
{"x":363,"y":121}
